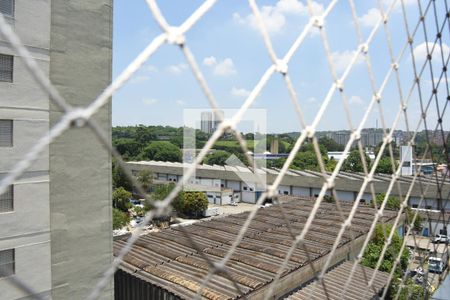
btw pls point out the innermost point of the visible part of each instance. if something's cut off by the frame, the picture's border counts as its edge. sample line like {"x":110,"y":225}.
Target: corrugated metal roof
{"x":294,"y":173}
{"x":335,"y":281}
{"x":168,"y":258}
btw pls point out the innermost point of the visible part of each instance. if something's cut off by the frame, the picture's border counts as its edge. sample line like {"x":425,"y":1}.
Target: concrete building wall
{"x":300,"y":191}
{"x":32,"y":261}
{"x":345,"y":196}
{"x":80,"y":167}
{"x":284,"y":190}
{"x":234,"y":185}
{"x":26,"y":229}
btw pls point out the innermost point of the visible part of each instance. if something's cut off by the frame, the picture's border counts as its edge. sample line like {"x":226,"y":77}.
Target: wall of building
{"x":80,"y":166}
{"x":26,"y":229}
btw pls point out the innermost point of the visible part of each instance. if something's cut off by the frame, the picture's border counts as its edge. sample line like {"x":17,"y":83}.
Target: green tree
{"x":218,"y":157}
{"x":306,"y":161}
{"x":329,"y":199}
{"x":120,"y":218}
{"x":375,"y":246}
{"x":139,"y":211}
{"x":145,"y":178}
{"x":395,"y":150}
{"x":310,"y":147}
{"x":144,"y":134}
{"x":353,"y":163}
{"x":275,"y":163}
{"x":330,"y":164}
{"x":159,"y":192}
{"x":121,"y":199}
{"x":385,"y":165}
{"x":120,"y":179}
{"x":411,"y":290}
{"x":191,"y":204}
{"x":392,"y":203}
{"x":330,"y":144}
{"x":128,"y":148}
{"x":417,"y":226}
{"x":162,"y":151}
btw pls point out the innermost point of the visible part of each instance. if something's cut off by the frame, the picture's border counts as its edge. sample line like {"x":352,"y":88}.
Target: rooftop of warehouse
{"x":335,"y":280}
{"x":357,"y":176}
{"x":169,"y":260}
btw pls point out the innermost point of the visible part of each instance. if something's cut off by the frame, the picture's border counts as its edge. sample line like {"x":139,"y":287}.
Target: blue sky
{"x":232,"y":57}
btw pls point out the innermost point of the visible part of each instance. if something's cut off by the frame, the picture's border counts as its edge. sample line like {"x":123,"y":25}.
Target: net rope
{"x":317,"y":20}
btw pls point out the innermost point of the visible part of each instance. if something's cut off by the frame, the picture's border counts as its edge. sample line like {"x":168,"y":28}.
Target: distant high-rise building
{"x":210,"y":120}
{"x":55,"y":220}
{"x":206,"y":122}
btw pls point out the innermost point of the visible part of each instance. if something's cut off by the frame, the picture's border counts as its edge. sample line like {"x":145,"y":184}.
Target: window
{"x":6,"y":67}
{"x":7,"y":7}
{"x":6,"y":133}
{"x":245,"y":188}
{"x":428,"y":207}
{"x":415,"y":206}
{"x":286,"y":192}
{"x":7,"y":263}
{"x":7,"y":200}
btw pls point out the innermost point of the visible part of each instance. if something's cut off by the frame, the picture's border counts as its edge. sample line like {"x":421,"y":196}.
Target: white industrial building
{"x":295,"y":182}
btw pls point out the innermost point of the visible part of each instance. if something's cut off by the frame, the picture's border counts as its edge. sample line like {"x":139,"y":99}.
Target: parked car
{"x":135,"y":202}
{"x":438,"y":262}
{"x":441,"y":238}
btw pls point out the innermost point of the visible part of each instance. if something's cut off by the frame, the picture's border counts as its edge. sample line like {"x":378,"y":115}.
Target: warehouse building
{"x":298,"y":183}
{"x":167,"y":265}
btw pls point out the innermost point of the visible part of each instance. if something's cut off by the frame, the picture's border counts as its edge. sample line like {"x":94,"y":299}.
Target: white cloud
{"x":149,"y":101}
{"x":274,"y":17}
{"x":225,"y":68}
{"x":180,"y":102}
{"x":209,"y":61}
{"x":341,"y":60}
{"x":420,"y":51}
{"x":356,"y":100}
{"x":176,"y":69}
{"x":371,"y":18}
{"x":221,"y":68}
{"x":239,"y":92}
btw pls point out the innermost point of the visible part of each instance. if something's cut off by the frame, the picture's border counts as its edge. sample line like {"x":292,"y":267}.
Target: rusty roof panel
{"x":336,"y":279}
{"x":169,"y":260}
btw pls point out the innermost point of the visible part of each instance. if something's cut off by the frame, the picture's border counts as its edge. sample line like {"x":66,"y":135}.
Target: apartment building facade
{"x":46,"y":211}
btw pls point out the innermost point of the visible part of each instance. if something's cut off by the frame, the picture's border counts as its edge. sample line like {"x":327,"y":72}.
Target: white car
{"x":441,"y":238}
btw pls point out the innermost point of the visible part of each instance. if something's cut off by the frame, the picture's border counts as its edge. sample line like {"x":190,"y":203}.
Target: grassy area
{"x":224,"y":145}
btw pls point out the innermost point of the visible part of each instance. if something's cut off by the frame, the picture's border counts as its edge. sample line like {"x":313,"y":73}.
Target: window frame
{"x":12,"y":68}
{"x":13,"y":262}
{"x":11,"y":143}
{"x":9,"y":190}
{"x":13,"y":10}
